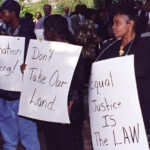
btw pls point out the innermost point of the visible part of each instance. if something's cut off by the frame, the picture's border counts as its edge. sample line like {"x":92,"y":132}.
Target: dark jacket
{"x":141,"y":50}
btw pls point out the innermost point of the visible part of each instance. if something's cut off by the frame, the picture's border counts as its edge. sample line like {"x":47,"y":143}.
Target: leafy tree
{"x":1,"y":1}
{"x":57,"y":6}
{"x":32,"y":8}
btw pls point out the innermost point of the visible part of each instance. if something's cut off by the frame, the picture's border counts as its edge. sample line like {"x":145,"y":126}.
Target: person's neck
{"x":46,"y":15}
{"x":14,"y":23}
{"x":127,"y":39}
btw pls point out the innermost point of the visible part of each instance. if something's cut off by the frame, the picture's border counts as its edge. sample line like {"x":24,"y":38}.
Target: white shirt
{"x":39,"y":25}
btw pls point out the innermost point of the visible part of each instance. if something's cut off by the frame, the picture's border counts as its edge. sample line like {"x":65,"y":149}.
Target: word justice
{"x":106,"y":105}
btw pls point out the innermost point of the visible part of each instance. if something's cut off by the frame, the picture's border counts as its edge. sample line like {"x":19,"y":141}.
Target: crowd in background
{"x":90,"y":27}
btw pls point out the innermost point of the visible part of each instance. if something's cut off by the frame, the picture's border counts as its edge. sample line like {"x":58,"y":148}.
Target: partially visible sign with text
{"x":11,"y":58}
{"x":115,"y":114}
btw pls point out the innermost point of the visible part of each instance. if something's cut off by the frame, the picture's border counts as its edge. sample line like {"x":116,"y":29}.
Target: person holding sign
{"x":14,"y":127}
{"x":65,"y":136}
{"x":127,"y":42}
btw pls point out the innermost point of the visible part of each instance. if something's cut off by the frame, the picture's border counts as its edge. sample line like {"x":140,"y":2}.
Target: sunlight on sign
{"x":71,"y":61}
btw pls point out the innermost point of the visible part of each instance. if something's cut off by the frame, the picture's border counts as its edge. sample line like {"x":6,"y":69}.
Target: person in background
{"x":102,"y":24}
{"x":47,"y":12}
{"x":38,"y":15}
{"x":138,"y":7}
{"x":28,"y":23}
{"x":3,"y":26}
{"x":12,"y":126}
{"x":125,"y":29}
{"x":90,"y":41}
{"x":67,"y":135}
{"x":144,"y":18}
{"x":77,"y":19}
{"x":67,"y":13}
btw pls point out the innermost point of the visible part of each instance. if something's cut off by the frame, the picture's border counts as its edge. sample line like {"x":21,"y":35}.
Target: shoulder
{"x":39,"y":24}
{"x":142,"y":48}
{"x":24,"y":32}
{"x":144,"y":41}
{"x":42,"y":19}
{"x":75,"y":17}
{"x":107,"y":42}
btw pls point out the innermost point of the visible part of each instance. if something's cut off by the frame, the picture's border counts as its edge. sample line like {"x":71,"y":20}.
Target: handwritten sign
{"x":39,"y":34}
{"x":115,"y":115}
{"x":11,"y":57}
{"x":47,"y":79}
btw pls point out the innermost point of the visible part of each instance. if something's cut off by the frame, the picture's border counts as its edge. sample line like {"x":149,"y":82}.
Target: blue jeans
{"x":14,"y":127}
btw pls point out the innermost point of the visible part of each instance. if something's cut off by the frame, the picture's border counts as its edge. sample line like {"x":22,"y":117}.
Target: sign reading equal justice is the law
{"x":115,"y":114}
{"x":11,"y":58}
{"x":47,"y":79}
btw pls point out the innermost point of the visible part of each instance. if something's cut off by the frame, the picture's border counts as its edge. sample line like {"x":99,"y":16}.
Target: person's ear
{"x":12,"y":13}
{"x":131,"y":25}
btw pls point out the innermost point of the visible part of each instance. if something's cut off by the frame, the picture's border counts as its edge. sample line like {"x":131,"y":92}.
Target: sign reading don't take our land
{"x":47,"y":79}
{"x":115,"y":114}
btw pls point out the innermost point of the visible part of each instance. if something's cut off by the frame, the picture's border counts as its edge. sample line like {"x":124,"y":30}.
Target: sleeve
{"x":77,"y":81}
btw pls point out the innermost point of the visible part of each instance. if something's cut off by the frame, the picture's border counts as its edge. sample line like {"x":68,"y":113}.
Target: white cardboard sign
{"x":39,"y":34}
{"x":11,"y":58}
{"x":47,"y":79}
{"x":115,"y":114}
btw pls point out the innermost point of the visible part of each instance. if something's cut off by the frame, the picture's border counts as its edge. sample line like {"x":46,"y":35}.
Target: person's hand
{"x":70,"y":106}
{"x":23,"y":67}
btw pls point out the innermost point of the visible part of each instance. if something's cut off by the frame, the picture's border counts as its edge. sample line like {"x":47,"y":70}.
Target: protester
{"x":13,"y":127}
{"x":67,"y":135}
{"x":124,"y":29}
{"x":47,"y":11}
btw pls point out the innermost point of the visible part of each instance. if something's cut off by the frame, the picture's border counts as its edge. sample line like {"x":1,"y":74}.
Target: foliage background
{"x":57,"y":6}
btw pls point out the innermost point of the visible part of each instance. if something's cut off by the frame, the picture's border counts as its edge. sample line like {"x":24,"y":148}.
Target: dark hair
{"x":11,"y":5}
{"x":78,"y":9}
{"x":50,"y":7}
{"x":90,"y":12}
{"x":38,"y":13}
{"x":139,"y":2}
{"x":130,"y":13}
{"x":28,"y":15}
{"x":57,"y":26}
